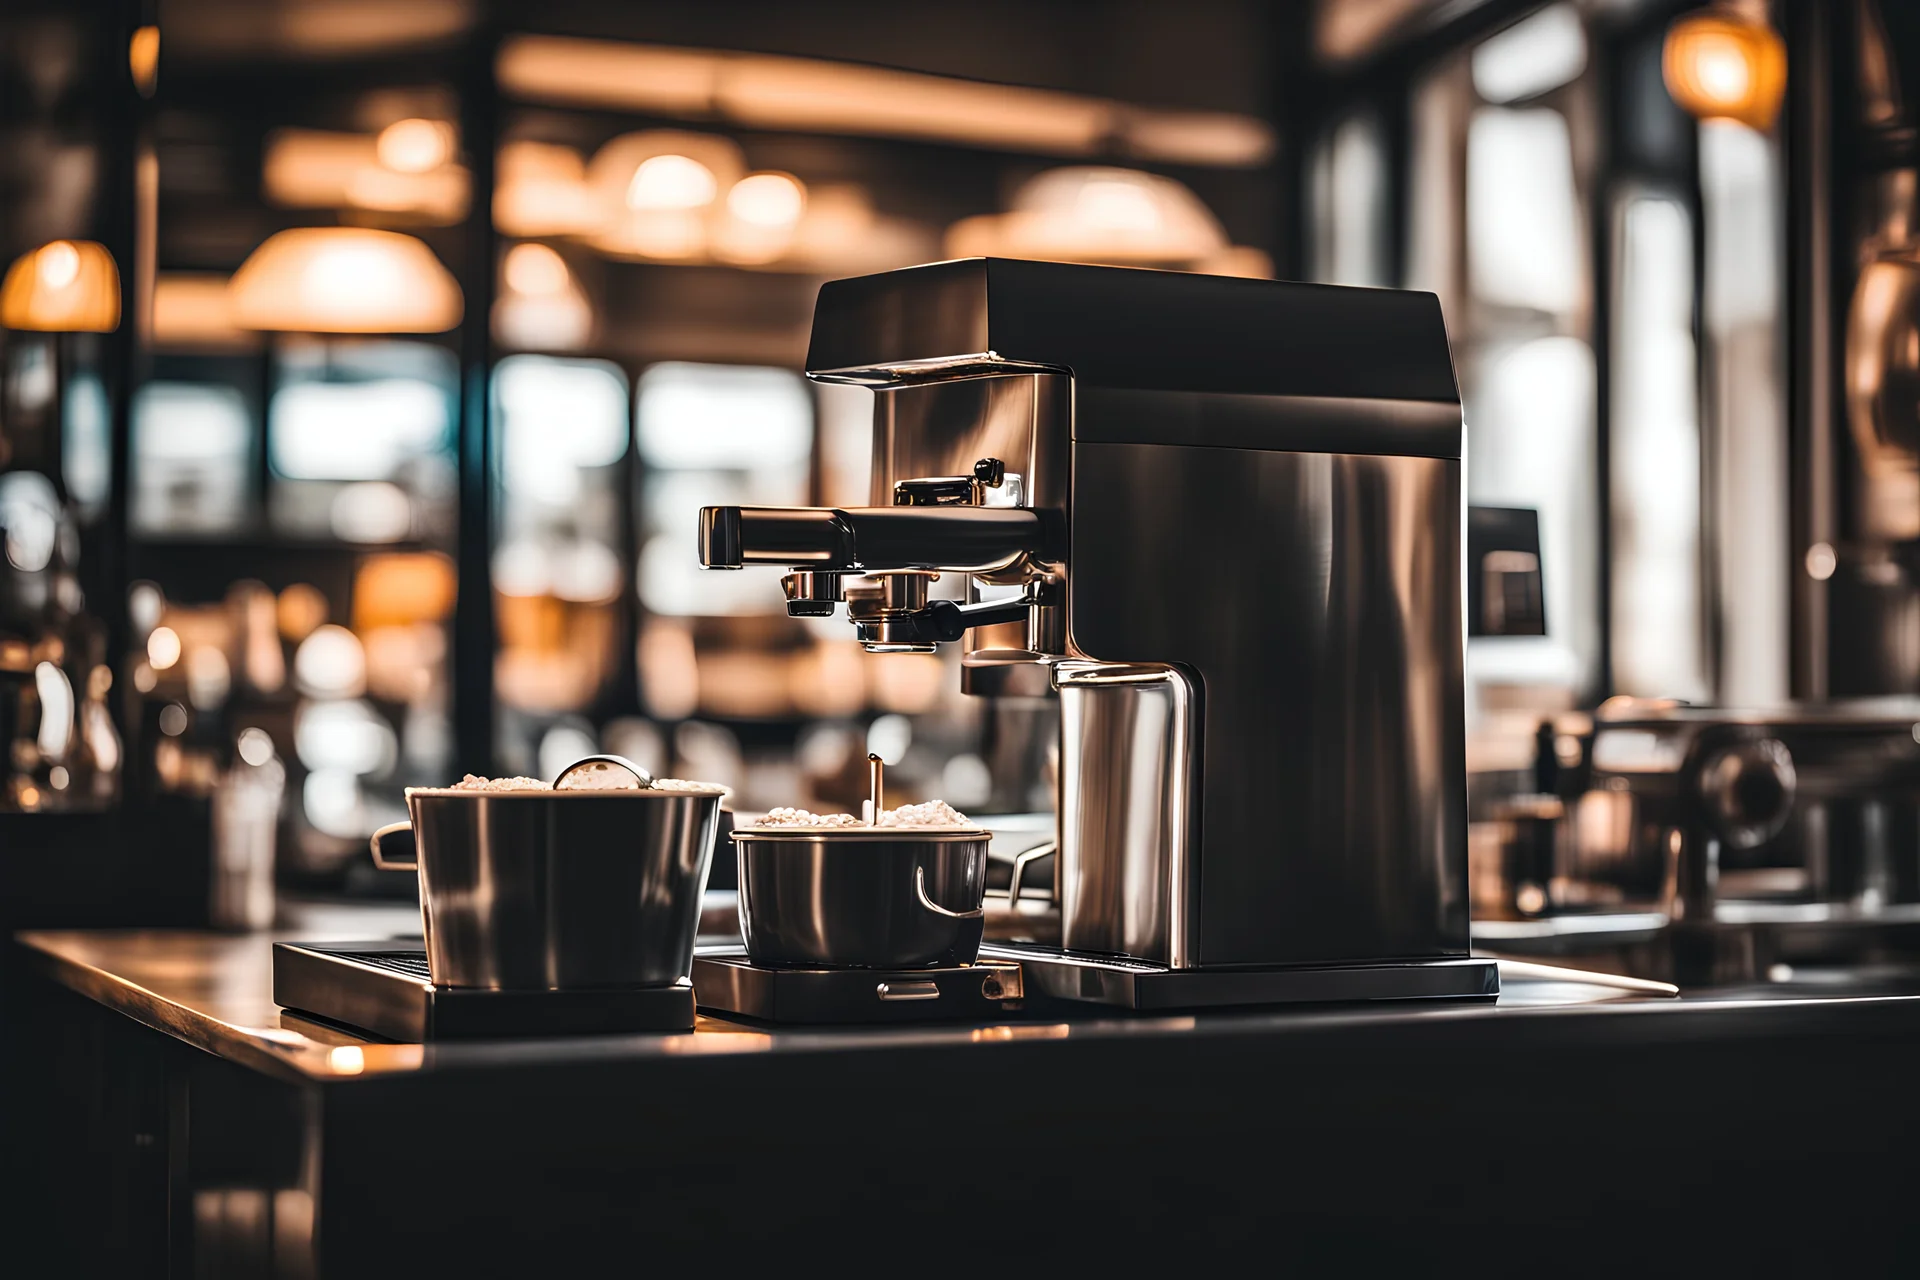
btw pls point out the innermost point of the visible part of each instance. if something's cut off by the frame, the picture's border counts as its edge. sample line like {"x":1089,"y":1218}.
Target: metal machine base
{"x":1134,"y":984}
{"x":383,"y":987}
{"x":727,"y":983}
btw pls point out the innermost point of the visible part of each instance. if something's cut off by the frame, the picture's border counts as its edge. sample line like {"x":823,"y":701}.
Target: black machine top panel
{"x":1124,"y":327}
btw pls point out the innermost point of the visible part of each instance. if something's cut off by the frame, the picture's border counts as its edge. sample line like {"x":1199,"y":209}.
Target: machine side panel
{"x":1318,"y":597}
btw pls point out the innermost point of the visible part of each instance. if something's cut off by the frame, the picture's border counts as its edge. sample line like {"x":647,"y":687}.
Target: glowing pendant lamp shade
{"x":345,"y":280}
{"x":1723,"y":65}
{"x":67,"y":286}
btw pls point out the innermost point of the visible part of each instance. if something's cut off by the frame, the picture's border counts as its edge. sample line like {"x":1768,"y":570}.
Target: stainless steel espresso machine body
{"x":1220,"y":520}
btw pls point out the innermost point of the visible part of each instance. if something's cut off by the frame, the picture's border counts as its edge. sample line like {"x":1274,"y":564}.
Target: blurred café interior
{"x":364,"y":367}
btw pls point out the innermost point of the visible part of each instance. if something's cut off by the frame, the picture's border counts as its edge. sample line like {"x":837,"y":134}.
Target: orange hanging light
{"x":344,"y":280}
{"x":1722,"y":64}
{"x":66,"y":286}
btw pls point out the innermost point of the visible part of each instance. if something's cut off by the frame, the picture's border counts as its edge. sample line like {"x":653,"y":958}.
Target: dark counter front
{"x":182,"y":1120}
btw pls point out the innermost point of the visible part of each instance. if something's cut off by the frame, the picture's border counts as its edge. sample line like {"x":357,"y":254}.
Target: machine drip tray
{"x":1133,"y":984}
{"x":727,"y":983}
{"x":384,"y":988}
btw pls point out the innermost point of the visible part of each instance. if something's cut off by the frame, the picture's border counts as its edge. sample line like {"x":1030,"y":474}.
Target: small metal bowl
{"x":862,"y":897}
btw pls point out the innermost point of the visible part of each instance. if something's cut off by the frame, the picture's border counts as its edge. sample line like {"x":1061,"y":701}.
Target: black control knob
{"x":1747,"y":790}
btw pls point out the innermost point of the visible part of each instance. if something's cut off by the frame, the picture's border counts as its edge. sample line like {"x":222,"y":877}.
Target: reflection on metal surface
{"x":1008,"y":1034}
{"x":1238,"y":534}
{"x":1127,"y":983}
{"x":382,"y":988}
{"x":544,"y":890}
{"x":1332,"y":775}
{"x":819,"y":96}
{"x":1526,"y":971}
{"x":1126,"y":761}
{"x":717,"y":1037}
{"x":1105,"y":214}
{"x":865,"y":897}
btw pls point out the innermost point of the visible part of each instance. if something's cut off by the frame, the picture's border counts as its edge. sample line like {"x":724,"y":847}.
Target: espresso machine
{"x":1219,"y":519}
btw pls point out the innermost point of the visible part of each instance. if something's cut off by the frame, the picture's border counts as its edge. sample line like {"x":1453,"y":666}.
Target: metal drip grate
{"x":411,"y":963}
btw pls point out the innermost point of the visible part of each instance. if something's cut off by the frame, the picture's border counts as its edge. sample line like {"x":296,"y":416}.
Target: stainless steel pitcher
{"x":551,"y":890}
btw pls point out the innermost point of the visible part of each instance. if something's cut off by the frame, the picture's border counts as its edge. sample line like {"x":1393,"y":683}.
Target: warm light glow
{"x":818,"y":96}
{"x":347,"y":1060}
{"x":535,"y":269}
{"x":415,"y":146}
{"x":541,"y":308}
{"x":402,"y":588}
{"x":314,"y":169}
{"x":1093,"y":214}
{"x":143,"y":59}
{"x":556,"y":322}
{"x":330,"y":663}
{"x":58,"y":265}
{"x":299,"y":609}
{"x":194,"y":311}
{"x":1723,"y":65}
{"x":163,"y":648}
{"x":763,"y":212}
{"x":656,"y":191}
{"x":767,"y":199}
{"x":345,"y":280}
{"x":842,"y":234}
{"x":1218,"y":138}
{"x":1349,"y":31}
{"x":542,"y":191}
{"x":68,"y":286}
{"x":1722,"y":69}
{"x":671,"y":182}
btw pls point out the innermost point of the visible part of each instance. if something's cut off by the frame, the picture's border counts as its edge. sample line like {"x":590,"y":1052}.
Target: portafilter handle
{"x":964,"y":539}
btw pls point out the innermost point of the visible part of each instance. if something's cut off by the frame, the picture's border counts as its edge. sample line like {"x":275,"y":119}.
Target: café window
{"x":192,"y":459}
{"x":714,"y":435}
{"x":359,"y":440}
{"x":1536,"y":173}
{"x":561,"y":433}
